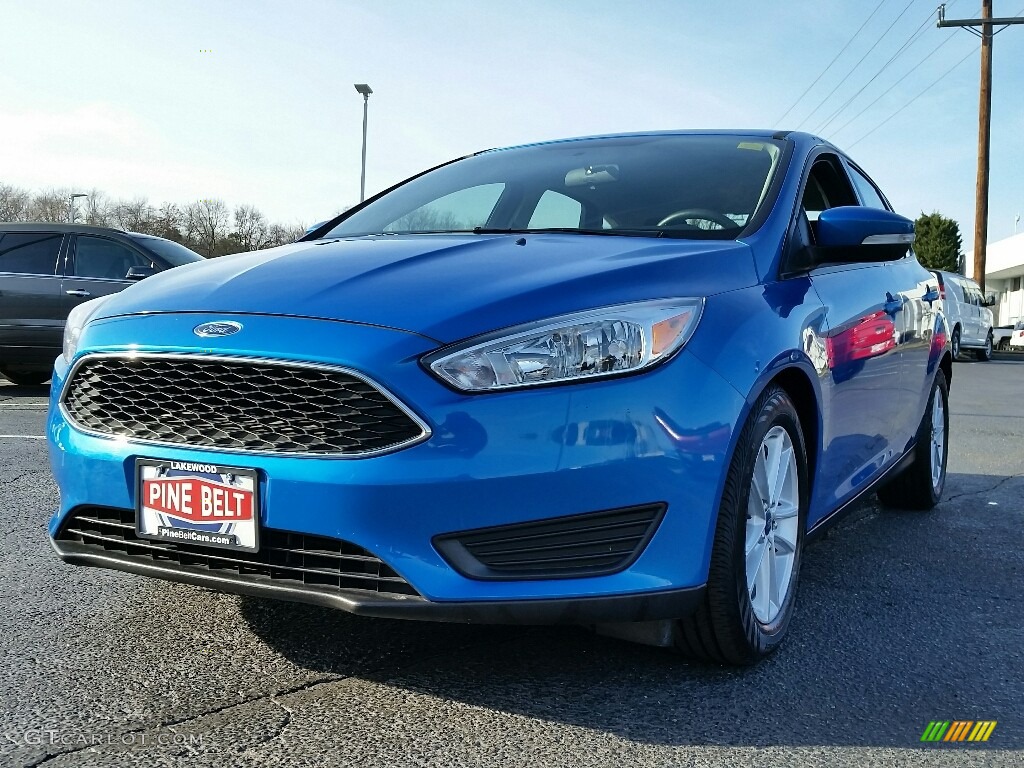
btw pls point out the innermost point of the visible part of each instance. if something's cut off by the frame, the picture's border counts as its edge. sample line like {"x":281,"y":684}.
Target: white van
{"x":967,"y":313}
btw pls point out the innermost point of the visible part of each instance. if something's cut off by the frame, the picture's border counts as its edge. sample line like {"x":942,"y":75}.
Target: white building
{"x":1004,"y":276}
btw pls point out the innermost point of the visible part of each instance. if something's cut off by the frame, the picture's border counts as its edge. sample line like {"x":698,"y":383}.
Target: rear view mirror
{"x":592,"y":174}
{"x":137,"y":273}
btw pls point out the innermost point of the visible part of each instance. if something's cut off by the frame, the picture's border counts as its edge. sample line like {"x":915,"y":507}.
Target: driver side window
{"x":827,"y":187}
{"x":558,"y":211}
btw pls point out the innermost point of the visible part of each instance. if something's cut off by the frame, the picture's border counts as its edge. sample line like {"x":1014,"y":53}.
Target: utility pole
{"x":987,"y":23}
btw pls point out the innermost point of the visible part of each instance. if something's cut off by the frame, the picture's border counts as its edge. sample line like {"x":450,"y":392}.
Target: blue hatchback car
{"x":613,"y":381}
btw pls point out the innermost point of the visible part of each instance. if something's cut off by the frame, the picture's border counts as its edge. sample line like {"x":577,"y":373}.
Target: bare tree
{"x":206,"y":225}
{"x":50,"y":205}
{"x":168,"y":222}
{"x":14,"y":203}
{"x":251,"y":232}
{"x":133,"y":215}
{"x":425,"y":219}
{"x":97,"y":209}
{"x":279,"y":234}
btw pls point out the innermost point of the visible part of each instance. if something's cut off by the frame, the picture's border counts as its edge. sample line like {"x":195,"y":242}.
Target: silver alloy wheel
{"x":938,"y":445}
{"x":773,"y":517}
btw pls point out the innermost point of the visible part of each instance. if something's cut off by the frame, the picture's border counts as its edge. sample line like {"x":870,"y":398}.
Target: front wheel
{"x":985,"y":354}
{"x":920,"y":485}
{"x":755,"y":558}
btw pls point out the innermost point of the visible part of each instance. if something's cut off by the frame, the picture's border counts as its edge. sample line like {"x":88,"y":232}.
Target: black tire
{"x":985,"y":354}
{"x":26,"y":378}
{"x":913,"y":488}
{"x":724,"y":629}
{"x":954,"y":343}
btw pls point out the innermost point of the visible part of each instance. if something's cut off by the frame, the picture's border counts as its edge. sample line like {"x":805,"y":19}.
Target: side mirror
{"x":137,"y":273}
{"x":856,"y":233}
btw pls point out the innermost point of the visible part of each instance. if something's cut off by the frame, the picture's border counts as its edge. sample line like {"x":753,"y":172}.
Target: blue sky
{"x":253,"y":101}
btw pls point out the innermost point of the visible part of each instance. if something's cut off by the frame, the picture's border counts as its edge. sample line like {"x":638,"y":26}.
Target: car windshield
{"x":173,"y":253}
{"x":689,"y":186}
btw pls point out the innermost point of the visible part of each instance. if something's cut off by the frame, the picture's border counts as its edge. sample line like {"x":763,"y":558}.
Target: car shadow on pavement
{"x":9,"y":390}
{"x":1006,"y":357}
{"x":904,"y":618}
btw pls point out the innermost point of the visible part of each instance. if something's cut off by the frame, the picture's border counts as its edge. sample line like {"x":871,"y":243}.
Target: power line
{"x":887,"y":90}
{"x":922,"y":93}
{"x":834,"y":60}
{"x":902,"y":49}
{"x":859,"y":62}
{"x":905,"y":76}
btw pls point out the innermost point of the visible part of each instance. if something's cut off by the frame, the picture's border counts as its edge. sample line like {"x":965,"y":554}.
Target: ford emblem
{"x":219,"y":328}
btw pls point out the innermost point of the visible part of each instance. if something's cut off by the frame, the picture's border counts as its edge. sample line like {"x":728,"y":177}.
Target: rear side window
{"x":30,"y":253}
{"x":99,"y":257}
{"x":173,"y":253}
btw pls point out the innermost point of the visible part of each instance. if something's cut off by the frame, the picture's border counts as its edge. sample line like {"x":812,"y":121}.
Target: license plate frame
{"x":191,"y":518}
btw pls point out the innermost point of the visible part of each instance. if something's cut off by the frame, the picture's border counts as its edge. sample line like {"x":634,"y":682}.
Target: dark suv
{"x":46,"y":269}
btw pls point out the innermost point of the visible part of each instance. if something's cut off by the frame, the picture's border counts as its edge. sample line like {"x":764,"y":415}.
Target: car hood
{"x":445,"y":287}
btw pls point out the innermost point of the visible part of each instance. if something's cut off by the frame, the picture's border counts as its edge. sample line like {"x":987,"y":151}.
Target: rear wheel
{"x":985,"y":354}
{"x":26,"y":378}
{"x":955,"y":343}
{"x":920,"y":485}
{"x":755,"y":558}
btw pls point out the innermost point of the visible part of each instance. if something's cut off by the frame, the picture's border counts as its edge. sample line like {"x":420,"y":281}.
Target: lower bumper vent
{"x":592,"y":544}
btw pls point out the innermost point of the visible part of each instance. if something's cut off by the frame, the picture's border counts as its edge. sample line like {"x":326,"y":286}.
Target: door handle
{"x":893,"y":304}
{"x":78,"y":292}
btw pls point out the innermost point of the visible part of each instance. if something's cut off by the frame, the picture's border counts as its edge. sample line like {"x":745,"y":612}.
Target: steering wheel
{"x":700,"y":214}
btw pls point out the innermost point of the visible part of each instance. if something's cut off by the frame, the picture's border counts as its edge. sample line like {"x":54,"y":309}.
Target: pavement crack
{"x":16,"y":478}
{"x":174,"y":723}
{"x":998,"y":485}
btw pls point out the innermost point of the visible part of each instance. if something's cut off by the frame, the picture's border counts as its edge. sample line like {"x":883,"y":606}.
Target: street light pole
{"x":71,"y":203}
{"x":365,"y":90}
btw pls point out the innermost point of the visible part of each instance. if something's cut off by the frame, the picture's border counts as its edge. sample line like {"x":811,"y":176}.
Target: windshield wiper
{"x":571,"y":231}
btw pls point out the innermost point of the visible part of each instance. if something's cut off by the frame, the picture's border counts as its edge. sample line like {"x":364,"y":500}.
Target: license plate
{"x":186,"y":502}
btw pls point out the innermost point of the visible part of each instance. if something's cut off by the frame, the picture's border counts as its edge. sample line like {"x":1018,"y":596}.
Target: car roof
{"x":50,"y":226}
{"x":762,"y":133}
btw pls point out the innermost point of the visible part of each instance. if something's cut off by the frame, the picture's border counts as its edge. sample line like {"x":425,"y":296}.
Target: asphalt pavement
{"x":904,"y":618}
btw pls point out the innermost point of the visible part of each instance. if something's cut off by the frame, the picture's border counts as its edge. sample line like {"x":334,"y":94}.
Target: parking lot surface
{"x":904,"y":618}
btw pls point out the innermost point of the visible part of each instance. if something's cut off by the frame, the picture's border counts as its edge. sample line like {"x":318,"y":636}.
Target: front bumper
{"x":491,"y":460}
{"x":587,"y":610}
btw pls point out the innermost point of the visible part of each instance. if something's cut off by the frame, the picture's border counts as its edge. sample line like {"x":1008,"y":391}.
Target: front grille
{"x":283,"y":557}
{"x":236,"y":404}
{"x":592,"y":544}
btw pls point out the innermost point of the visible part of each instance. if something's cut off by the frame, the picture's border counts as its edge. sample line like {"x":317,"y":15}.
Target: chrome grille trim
{"x":424,"y":433}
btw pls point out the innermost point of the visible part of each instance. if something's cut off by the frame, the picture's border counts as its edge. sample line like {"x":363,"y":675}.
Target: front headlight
{"x":77,"y":319}
{"x":580,"y":346}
